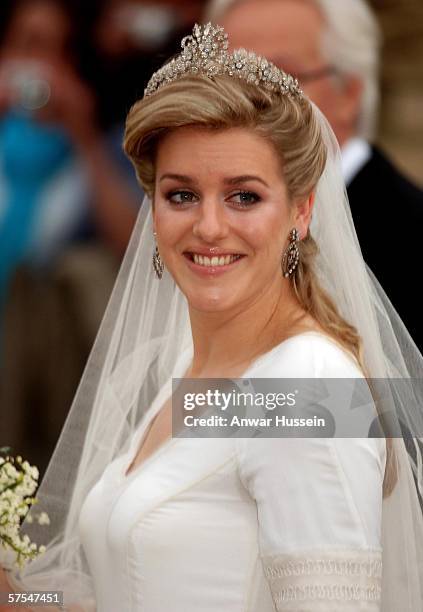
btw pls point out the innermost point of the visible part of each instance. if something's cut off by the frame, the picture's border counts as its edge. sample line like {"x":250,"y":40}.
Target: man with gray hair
{"x":333,"y":48}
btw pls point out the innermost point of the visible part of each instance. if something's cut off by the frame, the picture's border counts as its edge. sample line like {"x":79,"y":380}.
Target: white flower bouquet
{"x":18,"y":483}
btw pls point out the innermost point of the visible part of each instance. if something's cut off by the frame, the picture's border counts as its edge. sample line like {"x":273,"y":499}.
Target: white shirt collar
{"x":355,"y":154}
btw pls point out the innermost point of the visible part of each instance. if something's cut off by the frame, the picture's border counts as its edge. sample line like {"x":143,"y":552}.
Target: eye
{"x":245,"y":199}
{"x":180,"y":197}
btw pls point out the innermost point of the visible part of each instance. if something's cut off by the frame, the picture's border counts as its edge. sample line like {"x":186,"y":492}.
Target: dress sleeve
{"x":319,"y":506}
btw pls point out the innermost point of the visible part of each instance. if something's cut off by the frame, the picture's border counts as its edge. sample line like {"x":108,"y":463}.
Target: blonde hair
{"x":289,"y":124}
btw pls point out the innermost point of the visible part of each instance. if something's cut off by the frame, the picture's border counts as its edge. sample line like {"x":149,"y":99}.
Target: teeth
{"x":223,"y":260}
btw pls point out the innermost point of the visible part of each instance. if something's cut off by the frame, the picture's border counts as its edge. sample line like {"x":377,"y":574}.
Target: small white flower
{"x":43,"y":519}
{"x":17,"y":488}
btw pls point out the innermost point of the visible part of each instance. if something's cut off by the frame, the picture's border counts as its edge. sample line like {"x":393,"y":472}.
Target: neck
{"x":226,"y":342}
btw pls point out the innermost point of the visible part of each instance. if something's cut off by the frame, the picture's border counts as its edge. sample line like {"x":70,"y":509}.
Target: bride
{"x":257,"y":273}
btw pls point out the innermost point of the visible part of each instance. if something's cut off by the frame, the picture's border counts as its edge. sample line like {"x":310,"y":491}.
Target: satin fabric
{"x":203,"y":524}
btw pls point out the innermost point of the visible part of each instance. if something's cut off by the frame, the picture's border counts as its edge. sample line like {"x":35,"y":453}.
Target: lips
{"x":212,"y":262}
{"x":215,"y":260}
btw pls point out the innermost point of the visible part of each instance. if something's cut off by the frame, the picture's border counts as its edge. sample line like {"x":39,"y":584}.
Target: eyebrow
{"x":228,"y":181}
{"x":244,"y":179}
{"x":178,"y":177}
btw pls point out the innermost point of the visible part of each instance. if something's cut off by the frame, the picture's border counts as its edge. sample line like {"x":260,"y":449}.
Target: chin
{"x":215,"y":302}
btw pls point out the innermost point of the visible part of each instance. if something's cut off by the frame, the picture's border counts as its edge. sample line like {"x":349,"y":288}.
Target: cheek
{"x":326,"y":95}
{"x":169,"y":224}
{"x":266,"y":232}
{"x":316,"y":91}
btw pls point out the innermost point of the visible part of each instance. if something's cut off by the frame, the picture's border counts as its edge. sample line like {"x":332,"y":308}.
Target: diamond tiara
{"x":206,"y":52}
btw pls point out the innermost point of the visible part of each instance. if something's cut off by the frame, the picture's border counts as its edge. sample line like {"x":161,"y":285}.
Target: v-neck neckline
{"x":140,"y":445}
{"x":164,"y":394}
{"x":140,"y":436}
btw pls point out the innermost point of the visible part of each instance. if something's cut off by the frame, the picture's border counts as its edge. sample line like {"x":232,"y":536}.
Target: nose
{"x":211,"y":223}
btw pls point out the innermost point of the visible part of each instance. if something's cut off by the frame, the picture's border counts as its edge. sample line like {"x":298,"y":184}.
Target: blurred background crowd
{"x":69,"y":72}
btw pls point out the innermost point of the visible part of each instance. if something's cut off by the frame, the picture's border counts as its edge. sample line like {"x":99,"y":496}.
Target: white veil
{"x":144,"y":330}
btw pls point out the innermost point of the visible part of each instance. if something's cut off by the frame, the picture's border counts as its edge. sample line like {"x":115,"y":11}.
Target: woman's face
{"x":223,"y":217}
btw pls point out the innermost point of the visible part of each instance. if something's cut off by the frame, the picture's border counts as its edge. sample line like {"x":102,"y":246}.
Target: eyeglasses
{"x":309,"y":76}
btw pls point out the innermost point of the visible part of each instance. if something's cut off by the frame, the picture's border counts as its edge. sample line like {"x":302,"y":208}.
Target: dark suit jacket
{"x":388,"y":215}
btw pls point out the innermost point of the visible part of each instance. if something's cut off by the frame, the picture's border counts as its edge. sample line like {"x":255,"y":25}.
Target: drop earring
{"x":291,"y":257}
{"x":158,"y":264}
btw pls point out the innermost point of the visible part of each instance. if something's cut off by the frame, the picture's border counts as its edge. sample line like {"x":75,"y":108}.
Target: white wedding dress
{"x":246,"y":525}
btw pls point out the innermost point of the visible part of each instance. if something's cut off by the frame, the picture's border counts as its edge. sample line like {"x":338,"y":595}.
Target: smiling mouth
{"x":215,"y":261}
